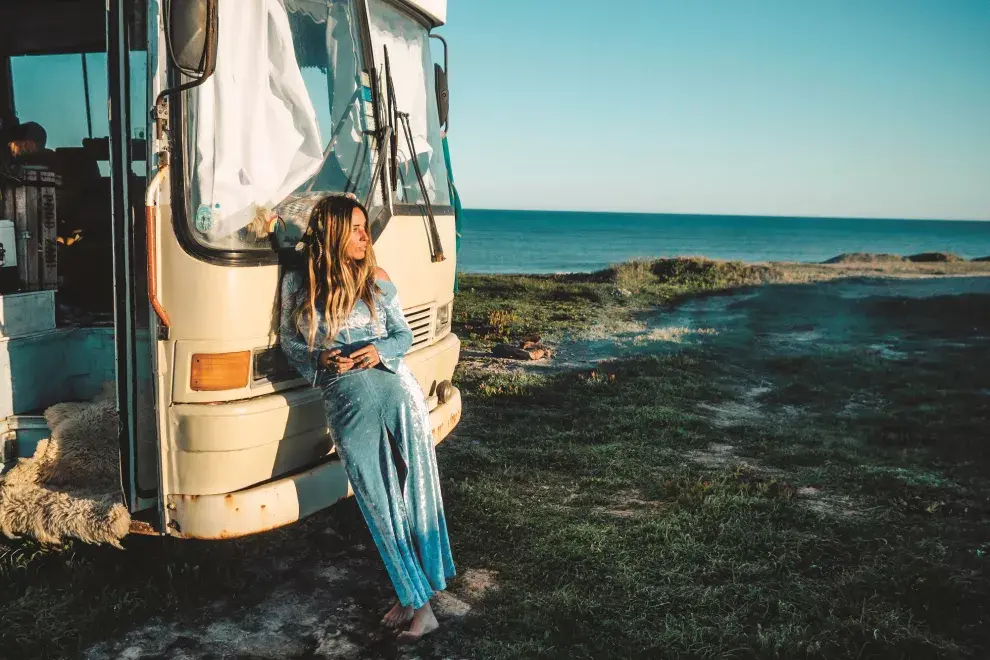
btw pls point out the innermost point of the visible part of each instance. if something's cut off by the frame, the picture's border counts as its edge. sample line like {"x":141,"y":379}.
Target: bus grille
{"x":421,"y":321}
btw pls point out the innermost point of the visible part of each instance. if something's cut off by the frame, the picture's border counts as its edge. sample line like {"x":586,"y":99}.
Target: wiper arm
{"x":436,"y":248}
{"x":402,"y":118}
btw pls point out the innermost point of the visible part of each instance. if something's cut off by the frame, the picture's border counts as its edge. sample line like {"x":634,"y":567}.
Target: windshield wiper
{"x":436,"y":247}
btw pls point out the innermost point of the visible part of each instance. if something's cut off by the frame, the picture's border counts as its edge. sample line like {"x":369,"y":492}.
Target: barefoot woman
{"x":342,"y":327}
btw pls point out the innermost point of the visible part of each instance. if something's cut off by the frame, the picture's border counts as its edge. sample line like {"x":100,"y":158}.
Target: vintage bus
{"x":187,"y":141}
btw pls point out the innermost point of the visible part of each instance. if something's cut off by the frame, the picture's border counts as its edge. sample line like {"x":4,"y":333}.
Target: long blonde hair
{"x":334,"y":281}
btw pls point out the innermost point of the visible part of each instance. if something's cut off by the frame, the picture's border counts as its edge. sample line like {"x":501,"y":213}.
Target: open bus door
{"x":136,"y":332}
{"x":46,"y":48}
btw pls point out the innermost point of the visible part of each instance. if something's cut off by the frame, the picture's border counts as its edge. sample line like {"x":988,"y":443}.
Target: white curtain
{"x":256,"y":133}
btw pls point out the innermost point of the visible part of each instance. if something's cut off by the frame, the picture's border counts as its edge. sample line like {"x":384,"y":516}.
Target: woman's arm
{"x":294,"y":345}
{"x":399,"y":338}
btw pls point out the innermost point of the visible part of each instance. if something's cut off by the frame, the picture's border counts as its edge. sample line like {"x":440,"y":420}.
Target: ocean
{"x":561,"y":241}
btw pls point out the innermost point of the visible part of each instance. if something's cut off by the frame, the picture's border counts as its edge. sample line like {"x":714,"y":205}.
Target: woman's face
{"x":357,"y":244}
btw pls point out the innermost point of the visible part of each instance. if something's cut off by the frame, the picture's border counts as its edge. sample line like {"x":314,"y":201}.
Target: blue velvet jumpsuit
{"x":367,"y":410}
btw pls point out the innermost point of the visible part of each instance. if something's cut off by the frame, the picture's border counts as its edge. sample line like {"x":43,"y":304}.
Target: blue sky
{"x":848,"y":108}
{"x":818,"y":107}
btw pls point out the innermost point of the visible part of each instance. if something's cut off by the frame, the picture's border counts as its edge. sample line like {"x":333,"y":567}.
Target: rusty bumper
{"x":280,"y":502}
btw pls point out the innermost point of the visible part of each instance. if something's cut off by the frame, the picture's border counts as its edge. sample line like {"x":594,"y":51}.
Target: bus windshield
{"x":287,"y":112}
{"x":411,"y":68}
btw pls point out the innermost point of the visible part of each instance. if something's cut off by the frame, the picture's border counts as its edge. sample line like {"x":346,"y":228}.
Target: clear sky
{"x":852,"y":108}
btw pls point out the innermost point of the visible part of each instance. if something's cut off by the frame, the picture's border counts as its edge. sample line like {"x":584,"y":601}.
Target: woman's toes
{"x":397,"y":616}
{"x":423,"y":623}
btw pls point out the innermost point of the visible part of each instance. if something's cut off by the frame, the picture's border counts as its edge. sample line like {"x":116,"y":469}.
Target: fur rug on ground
{"x":71,"y":486}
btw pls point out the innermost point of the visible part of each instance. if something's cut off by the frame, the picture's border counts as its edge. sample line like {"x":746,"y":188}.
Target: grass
{"x":846,"y":518}
{"x":854,"y":537}
{"x":498,"y":308}
{"x":494,"y":308}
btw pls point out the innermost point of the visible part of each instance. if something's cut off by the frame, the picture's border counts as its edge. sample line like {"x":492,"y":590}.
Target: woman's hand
{"x":336,"y":363}
{"x":366,"y":357}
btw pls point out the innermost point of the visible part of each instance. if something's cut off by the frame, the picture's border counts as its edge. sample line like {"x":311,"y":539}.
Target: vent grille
{"x":421,"y":321}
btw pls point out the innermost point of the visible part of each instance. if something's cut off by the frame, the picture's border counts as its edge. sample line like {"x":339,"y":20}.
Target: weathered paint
{"x":143,"y":528}
{"x":283,"y":501}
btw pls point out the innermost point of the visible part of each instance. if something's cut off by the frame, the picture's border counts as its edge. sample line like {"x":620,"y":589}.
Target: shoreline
{"x":492,"y":309}
{"x":940,"y":264}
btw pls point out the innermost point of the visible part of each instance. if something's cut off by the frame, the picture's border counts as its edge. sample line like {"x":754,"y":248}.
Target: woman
{"x":342,"y":327}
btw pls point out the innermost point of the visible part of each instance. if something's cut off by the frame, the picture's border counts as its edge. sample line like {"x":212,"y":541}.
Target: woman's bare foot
{"x":423,"y":623}
{"x":397,"y":616}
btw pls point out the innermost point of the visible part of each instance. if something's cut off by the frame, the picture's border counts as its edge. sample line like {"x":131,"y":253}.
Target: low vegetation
{"x":725,"y":500}
{"x":733,"y":500}
{"x":494,"y":308}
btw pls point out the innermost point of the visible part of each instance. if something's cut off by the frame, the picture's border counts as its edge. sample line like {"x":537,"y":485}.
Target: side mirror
{"x":441,"y":74}
{"x":443,"y":94}
{"x":191,"y":36}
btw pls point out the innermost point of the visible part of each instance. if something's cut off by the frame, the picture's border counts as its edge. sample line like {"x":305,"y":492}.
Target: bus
{"x":187,"y":141}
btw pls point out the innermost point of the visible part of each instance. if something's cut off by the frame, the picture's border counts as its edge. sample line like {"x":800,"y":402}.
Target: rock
{"x":450,"y":606}
{"x":537,"y":353}
{"x":864,"y":257}
{"x":476,"y":582}
{"x":528,"y":351}
{"x":509,"y":351}
{"x":935,"y":257}
{"x":981,"y":259}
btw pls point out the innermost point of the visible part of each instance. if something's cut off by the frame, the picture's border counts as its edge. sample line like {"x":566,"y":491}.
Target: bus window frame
{"x":267,"y":256}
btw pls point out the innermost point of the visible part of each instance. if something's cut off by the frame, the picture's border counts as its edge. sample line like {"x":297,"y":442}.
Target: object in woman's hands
{"x":366,"y":357}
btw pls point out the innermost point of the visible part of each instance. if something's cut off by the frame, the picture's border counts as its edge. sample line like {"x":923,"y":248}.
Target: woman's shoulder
{"x":384,"y":281}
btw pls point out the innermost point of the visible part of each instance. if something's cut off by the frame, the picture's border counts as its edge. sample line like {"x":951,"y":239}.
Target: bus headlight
{"x":443,"y":319}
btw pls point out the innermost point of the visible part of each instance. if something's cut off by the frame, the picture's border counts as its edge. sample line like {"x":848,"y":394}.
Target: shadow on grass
{"x":851,"y":540}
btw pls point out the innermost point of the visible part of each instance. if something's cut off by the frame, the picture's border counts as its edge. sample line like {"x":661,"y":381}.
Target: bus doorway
{"x":76,"y":324}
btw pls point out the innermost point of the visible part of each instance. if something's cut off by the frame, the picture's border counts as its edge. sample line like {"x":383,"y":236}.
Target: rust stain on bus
{"x":443,"y":429}
{"x":143,"y":528}
{"x":232,"y":502}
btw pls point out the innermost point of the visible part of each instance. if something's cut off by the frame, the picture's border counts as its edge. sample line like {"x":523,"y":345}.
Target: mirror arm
{"x":159,"y":112}
{"x":211,"y":65}
{"x":446,"y":62}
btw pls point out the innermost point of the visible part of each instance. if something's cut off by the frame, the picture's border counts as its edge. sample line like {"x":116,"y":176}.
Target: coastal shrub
{"x":703,"y":273}
{"x":500,"y":322}
{"x":633,"y":275}
{"x":935,"y":257}
{"x":864,"y":257}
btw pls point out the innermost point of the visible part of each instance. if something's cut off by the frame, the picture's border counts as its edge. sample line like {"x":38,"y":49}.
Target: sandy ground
{"x":328,"y":606}
{"x":789,"y":317}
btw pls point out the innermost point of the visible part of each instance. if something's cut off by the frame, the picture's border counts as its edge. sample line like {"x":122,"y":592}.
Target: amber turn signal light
{"x":212,"y":372}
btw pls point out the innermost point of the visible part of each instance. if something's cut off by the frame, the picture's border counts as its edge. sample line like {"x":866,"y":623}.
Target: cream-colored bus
{"x":227,"y":119}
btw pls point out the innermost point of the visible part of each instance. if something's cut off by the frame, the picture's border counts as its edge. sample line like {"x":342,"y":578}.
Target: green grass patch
{"x":847,"y":517}
{"x":494,"y":308}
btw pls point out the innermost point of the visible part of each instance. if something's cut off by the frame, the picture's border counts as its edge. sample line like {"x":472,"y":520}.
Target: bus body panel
{"x":283,"y":501}
{"x":226,"y":447}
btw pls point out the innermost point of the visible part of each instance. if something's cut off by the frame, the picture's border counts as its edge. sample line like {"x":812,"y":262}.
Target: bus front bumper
{"x":282,"y":501}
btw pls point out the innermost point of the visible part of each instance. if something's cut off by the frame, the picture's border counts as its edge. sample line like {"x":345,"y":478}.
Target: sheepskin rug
{"x":71,"y":486}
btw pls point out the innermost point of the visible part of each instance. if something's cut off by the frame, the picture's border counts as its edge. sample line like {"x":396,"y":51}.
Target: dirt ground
{"x":331,"y":596}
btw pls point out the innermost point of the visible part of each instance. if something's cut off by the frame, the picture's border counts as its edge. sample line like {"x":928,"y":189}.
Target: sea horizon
{"x":540,"y":242}
{"x":730,"y":215}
